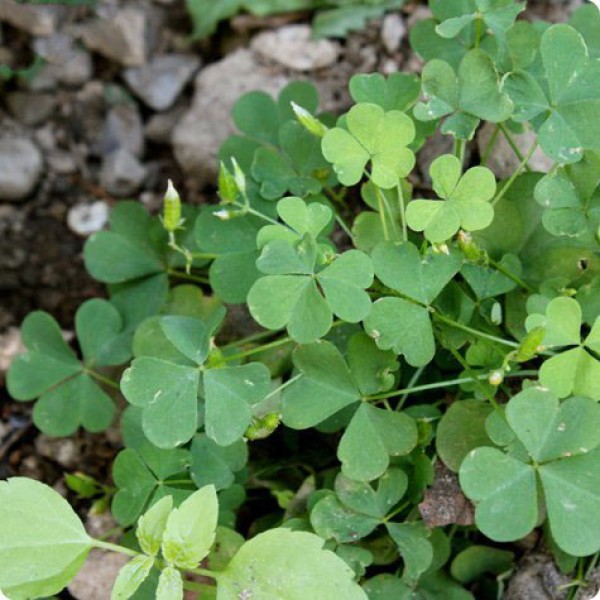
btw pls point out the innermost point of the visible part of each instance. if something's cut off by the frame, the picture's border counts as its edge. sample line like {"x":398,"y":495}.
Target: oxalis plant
{"x":422,"y":344}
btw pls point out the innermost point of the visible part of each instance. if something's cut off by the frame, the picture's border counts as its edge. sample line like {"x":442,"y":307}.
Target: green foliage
{"x":395,"y":322}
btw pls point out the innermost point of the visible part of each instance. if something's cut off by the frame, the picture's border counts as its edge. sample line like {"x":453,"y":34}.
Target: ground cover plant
{"x":410,"y":334}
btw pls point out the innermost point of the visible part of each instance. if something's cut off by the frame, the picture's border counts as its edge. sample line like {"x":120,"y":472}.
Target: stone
{"x":29,"y":108}
{"x":35,"y":19}
{"x":11,"y":346}
{"x":503,"y":160}
{"x":159,"y":126}
{"x":434,"y":146}
{"x":120,"y":37}
{"x":160,"y":82}
{"x":21,"y":165}
{"x":200,"y":132}
{"x":393,"y":31}
{"x":64,"y":451}
{"x":97,"y":576}
{"x":122,"y":174}
{"x":123,"y":128}
{"x":293,"y":47}
{"x":85,"y":219}
{"x":67,"y":63}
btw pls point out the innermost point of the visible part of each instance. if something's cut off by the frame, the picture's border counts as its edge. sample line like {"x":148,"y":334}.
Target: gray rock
{"x":85,"y":219}
{"x":20,"y":168}
{"x":64,"y":451}
{"x":435,"y":146}
{"x":503,"y":160}
{"x":160,"y":126}
{"x":121,"y":37}
{"x":35,"y":19}
{"x":31,"y":109}
{"x":123,"y":128}
{"x":160,"y":82}
{"x":97,"y":576}
{"x":293,"y":47}
{"x":122,"y":174}
{"x":67,"y":63}
{"x":200,"y":132}
{"x":393,"y":31}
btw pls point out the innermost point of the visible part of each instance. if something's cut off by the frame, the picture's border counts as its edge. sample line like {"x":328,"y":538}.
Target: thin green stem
{"x":402,"y":212}
{"x":260,"y":215}
{"x":201,"y":588}
{"x":486,"y":336}
{"x":479,"y":31}
{"x":187,"y":276}
{"x":490,"y":145}
{"x":114,"y":548}
{"x":204,"y":573}
{"x":340,"y":221}
{"x":502,"y":269}
{"x":413,"y":380}
{"x":386,"y":234}
{"x":282,"y":386}
{"x":258,"y":349}
{"x":516,"y":174}
{"x":511,"y":142}
{"x":441,"y":385}
{"x":179,"y":482}
{"x":255,"y":337}
{"x":103,"y":379}
{"x":396,"y":512}
{"x":459,"y":150}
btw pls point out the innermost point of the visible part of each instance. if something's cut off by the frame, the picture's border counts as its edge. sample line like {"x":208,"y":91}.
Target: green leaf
{"x":189,"y":336}
{"x":372,"y":437}
{"x":131,"y":576}
{"x":387,"y":587}
{"x":475,"y":93}
{"x":274,"y":565}
{"x":326,"y":386}
{"x":374,"y":136}
{"x":332,"y":520}
{"x":504,"y":492}
{"x":168,"y":395}
{"x":190,"y":530}
{"x":170,"y":585}
{"x":465,"y":201}
{"x":428,"y":44}
{"x":462,"y":429}
{"x":216,"y":465}
{"x":230,"y":394}
{"x":566,"y":98}
{"x":415,"y":548}
{"x":470,"y":564}
{"x":206,"y":15}
{"x":397,"y":91}
{"x":38,"y":527}
{"x":151,"y":525}
{"x":372,"y":369}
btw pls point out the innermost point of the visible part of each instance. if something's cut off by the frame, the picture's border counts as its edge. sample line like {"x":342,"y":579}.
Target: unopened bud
{"x":228,"y":189}
{"x":171,"y":209}
{"x":440,"y":249}
{"x":239,"y":177}
{"x":496,"y":377}
{"x":223,"y":214}
{"x":468,"y":247}
{"x":263,"y":427}
{"x":308,"y":121}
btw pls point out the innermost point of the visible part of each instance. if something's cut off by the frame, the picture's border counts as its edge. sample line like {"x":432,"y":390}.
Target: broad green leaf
{"x":550,"y":430}
{"x":230,"y":394}
{"x":372,"y":437}
{"x":474,"y":93}
{"x":168,"y":395}
{"x":332,"y":520}
{"x":462,"y":429}
{"x":465,"y":201}
{"x":387,"y":587}
{"x":216,"y":465}
{"x":190,"y":530}
{"x":415,"y":548}
{"x":504,"y":492}
{"x":488,"y":282}
{"x":304,"y":218}
{"x":397,"y":91}
{"x":170,"y":585}
{"x":428,"y":44}
{"x":131,"y":576}
{"x":566,"y":97}
{"x":586,"y":19}
{"x":372,"y":369}
{"x":38,"y":527}
{"x":189,"y":336}
{"x":274,"y":564}
{"x":572,"y":492}
{"x":227,"y":543}
{"x":470,"y":564}
{"x":151,"y":525}
{"x":326,"y":386}
{"x":374,"y":136}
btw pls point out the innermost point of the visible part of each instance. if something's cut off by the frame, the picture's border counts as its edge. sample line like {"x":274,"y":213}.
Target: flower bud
{"x":496,"y":377}
{"x":308,"y":121}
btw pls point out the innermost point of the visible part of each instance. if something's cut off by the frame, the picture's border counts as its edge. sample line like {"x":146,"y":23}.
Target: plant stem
{"x":340,"y":221}
{"x":188,"y":277}
{"x":490,"y":145}
{"x":193,"y":586}
{"x":103,"y":379}
{"x":416,"y":375}
{"x":511,"y":142}
{"x":386,"y":234}
{"x":269,"y":346}
{"x":402,"y":212}
{"x":204,"y":573}
{"x":459,"y":150}
{"x":255,"y":337}
{"x":479,"y":31}
{"x":475,"y":332}
{"x":114,"y":548}
{"x":441,"y":385}
{"x":282,"y":386}
{"x":500,"y":267}
{"x":516,"y":174}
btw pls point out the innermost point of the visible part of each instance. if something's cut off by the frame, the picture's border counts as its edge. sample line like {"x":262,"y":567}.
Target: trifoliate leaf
{"x":465,"y":201}
{"x":488,"y":282}
{"x":470,"y":564}
{"x":565,"y":101}
{"x":475,"y":93}
{"x":371,"y":438}
{"x":151,"y":526}
{"x":216,"y":465}
{"x":230,"y":394}
{"x":397,"y":91}
{"x":274,"y":565}
{"x":326,"y":386}
{"x":415,"y":548}
{"x":374,"y":136}
{"x":372,"y":369}
{"x":38,"y":527}
{"x":586,"y":19}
